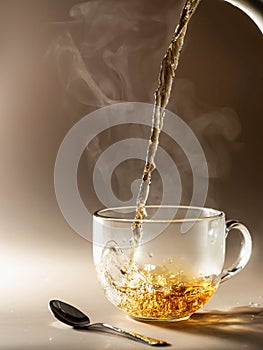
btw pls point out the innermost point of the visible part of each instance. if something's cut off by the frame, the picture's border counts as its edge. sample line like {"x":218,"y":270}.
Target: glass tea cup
{"x":174,"y":267}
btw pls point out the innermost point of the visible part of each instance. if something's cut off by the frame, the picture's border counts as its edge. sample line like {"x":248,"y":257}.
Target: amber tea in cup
{"x":175,"y":268}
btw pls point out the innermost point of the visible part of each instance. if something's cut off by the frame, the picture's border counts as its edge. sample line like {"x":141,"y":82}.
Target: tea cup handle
{"x":245,"y":250}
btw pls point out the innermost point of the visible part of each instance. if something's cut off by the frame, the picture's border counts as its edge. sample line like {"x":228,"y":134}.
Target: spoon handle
{"x":131,"y":335}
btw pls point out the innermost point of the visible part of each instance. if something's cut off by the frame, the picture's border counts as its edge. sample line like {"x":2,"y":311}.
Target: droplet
{"x":252,"y":304}
{"x":150,"y":254}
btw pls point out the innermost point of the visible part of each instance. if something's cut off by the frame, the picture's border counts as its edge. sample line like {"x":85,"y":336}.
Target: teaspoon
{"x":73,"y":317}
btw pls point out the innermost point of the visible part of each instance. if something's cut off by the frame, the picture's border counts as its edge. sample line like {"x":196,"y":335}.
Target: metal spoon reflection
{"x":73,"y":317}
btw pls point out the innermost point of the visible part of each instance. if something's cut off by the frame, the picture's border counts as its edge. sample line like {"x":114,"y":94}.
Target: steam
{"x":111,"y":52}
{"x":74,"y":75}
{"x":217,"y":128}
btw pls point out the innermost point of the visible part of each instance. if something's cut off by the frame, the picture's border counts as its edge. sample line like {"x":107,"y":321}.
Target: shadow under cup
{"x":174,"y":268}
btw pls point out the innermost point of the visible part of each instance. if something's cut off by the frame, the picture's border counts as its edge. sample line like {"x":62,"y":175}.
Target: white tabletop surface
{"x":68,"y":274}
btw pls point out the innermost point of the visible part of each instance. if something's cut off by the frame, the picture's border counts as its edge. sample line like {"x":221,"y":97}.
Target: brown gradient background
{"x":222,"y":62}
{"x":221,"y":59}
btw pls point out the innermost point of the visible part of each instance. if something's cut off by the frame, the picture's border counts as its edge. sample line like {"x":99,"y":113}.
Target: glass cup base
{"x":146,"y":319}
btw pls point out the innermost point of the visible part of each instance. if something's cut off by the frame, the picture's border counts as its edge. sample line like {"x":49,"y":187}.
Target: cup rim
{"x":216,"y":214}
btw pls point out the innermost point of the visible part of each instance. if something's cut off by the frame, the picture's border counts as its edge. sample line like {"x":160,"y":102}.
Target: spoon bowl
{"x":68,"y":314}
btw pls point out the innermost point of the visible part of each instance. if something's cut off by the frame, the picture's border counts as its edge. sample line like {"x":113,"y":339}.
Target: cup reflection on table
{"x":176,"y":266}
